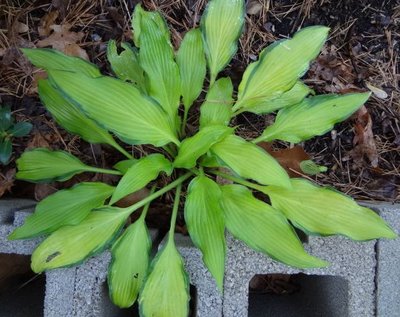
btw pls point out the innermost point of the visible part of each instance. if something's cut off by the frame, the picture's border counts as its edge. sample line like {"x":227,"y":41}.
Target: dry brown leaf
{"x":46,"y":22}
{"x":20,"y":27}
{"x":364,"y":142}
{"x":44,"y":190}
{"x":7,"y":181}
{"x":133,"y":198}
{"x":64,"y":40}
{"x":253,"y":7}
{"x":289,"y":159}
{"x":38,"y":140}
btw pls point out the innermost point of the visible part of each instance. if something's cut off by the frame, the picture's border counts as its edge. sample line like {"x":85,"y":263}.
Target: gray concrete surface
{"x":361,"y":282}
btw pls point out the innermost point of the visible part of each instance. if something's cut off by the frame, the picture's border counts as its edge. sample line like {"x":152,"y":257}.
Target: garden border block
{"x":372,"y":270}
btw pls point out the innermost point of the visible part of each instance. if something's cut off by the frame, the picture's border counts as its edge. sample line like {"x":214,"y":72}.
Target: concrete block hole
{"x":21,"y":290}
{"x":299,"y":295}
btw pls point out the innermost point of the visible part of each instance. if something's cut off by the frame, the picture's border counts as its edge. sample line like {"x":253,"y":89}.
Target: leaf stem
{"x":174,"y":212}
{"x":257,"y":140}
{"x":102,"y":170}
{"x":184,"y":122}
{"x":158,"y":193}
{"x":116,"y":146}
{"x":238,"y":180}
{"x":146,"y":207}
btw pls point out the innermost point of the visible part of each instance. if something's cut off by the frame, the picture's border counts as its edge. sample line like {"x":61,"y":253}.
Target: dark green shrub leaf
{"x":279,"y":67}
{"x":126,"y":64}
{"x":323,"y":211}
{"x":217,"y":109}
{"x":6,"y":120}
{"x":70,"y":117}
{"x":72,"y":244}
{"x":194,"y":147}
{"x":5,"y":150}
{"x":205,"y":223}
{"x":129,"y":264}
{"x":263,"y":228}
{"x":140,"y":174}
{"x":20,"y":129}
{"x":192,"y":66}
{"x":65,"y":207}
{"x":313,"y":116}
{"x":221,"y":25}
{"x":49,"y":59}
{"x":250,"y":161}
{"x":43,"y":165}
{"x":167,"y":269}
{"x":119,"y":107}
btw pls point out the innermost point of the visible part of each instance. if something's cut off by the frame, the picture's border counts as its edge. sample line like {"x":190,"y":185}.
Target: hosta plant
{"x":147,"y":103}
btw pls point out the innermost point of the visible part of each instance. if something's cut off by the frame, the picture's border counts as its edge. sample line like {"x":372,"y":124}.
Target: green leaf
{"x":125,"y":165}
{"x":314,"y":116}
{"x":289,"y":98}
{"x":166,"y":290}
{"x":5,"y":150}
{"x":157,"y":59}
{"x":311,"y":168}
{"x":72,"y":244}
{"x":250,"y":161}
{"x":6,"y":120}
{"x":217,"y":108}
{"x":118,"y":107}
{"x":70,"y":116}
{"x":65,"y":207}
{"x":50,"y":59}
{"x":194,"y":147}
{"x":20,"y":129}
{"x":140,"y":174}
{"x":279,"y":67}
{"x":42,"y":165}
{"x":129,"y":264}
{"x":205,"y":223}
{"x":126,"y":64}
{"x":221,"y":25}
{"x":323,"y":211}
{"x":192,"y":65}
{"x":263,"y":228}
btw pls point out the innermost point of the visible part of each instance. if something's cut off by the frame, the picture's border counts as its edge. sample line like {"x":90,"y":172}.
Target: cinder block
{"x":362,"y":280}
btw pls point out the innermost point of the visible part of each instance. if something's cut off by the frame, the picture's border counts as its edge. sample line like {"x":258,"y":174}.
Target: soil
{"x":361,"y":154}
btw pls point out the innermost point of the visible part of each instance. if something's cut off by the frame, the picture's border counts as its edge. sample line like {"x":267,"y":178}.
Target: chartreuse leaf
{"x":5,"y":150}
{"x":192,"y":66}
{"x":140,"y":174}
{"x":194,"y":147}
{"x":205,"y":223}
{"x":313,"y":116}
{"x":73,"y":244}
{"x":126,"y":64}
{"x":279,"y":67}
{"x":70,"y":116}
{"x":221,"y":25}
{"x":157,"y":59}
{"x":217,"y":108}
{"x":130,"y":261}
{"x":323,"y":211}
{"x":118,"y":107}
{"x":289,"y":98}
{"x":65,"y":207}
{"x":123,"y":166}
{"x":49,"y":59}
{"x":20,"y":129}
{"x":41,"y":164}
{"x":263,"y":228}
{"x":250,"y":161}
{"x":167,"y":278}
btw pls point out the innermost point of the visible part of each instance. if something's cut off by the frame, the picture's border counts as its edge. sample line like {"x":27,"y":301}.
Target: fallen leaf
{"x":64,"y":40}
{"x":20,"y":27}
{"x":37,"y":140}
{"x":44,"y":190}
{"x":46,"y":22}
{"x":133,"y":198}
{"x":290,"y":158}
{"x":7,"y":181}
{"x":379,"y":93}
{"x":364,"y":142}
{"x":253,"y":7}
